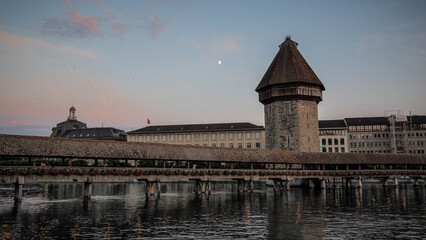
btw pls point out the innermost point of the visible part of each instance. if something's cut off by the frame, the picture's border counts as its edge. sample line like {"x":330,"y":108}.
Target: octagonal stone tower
{"x":290,"y":92}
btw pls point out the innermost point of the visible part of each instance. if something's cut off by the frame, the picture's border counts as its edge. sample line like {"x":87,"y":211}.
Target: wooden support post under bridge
{"x":18,"y":188}
{"x":88,"y":188}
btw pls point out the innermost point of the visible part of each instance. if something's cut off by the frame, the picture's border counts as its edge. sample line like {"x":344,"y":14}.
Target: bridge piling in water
{"x":396,"y":182}
{"x":152,"y":188}
{"x":202,"y":186}
{"x":18,"y":188}
{"x":385,"y":182}
{"x":323,"y":184}
{"x":359,"y":183}
{"x":348,"y":182}
{"x":244,"y":185}
{"x":88,"y":188}
{"x":311,"y":183}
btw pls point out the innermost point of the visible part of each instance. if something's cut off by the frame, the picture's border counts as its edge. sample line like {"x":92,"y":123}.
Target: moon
{"x":219,"y":62}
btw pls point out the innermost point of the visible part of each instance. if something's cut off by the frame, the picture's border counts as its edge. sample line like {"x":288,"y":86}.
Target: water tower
{"x":290,"y":92}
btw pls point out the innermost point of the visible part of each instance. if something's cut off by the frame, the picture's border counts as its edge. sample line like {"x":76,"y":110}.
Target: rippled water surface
{"x":122,"y":211}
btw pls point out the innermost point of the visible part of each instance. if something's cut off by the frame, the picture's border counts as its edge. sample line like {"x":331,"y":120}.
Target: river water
{"x":123,"y":211}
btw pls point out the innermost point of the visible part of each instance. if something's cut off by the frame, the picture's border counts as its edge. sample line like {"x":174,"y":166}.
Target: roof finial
{"x":287,"y":37}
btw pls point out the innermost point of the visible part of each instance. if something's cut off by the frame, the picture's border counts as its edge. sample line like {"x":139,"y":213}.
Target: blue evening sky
{"x":122,"y":62}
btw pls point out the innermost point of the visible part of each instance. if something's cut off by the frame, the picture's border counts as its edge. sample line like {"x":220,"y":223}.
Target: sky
{"x":120,"y":63}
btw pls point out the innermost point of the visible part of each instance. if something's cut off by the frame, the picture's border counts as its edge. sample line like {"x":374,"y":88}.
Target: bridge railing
{"x":136,"y":172}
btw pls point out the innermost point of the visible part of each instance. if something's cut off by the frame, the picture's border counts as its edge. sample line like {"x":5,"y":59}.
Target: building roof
{"x":289,"y":67}
{"x":327,"y":124}
{"x":72,"y":122}
{"x":96,"y":133}
{"x":417,"y":119}
{"x":210,"y":127}
{"x":361,"y":121}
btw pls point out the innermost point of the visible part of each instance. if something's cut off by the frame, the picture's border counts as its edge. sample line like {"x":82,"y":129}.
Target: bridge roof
{"x":14,"y":145}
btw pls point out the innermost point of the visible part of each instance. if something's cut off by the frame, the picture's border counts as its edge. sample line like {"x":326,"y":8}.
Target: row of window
{"x":195,"y":137}
{"x":417,"y":127}
{"x":418,"y":151}
{"x":416,"y":143}
{"x":230,"y":145}
{"x":369,"y":144}
{"x":330,"y":141}
{"x":377,"y":151}
{"x":368,"y":128}
{"x":416,"y":134}
{"x":368,"y":136}
{"x":336,"y":149}
{"x":332,"y":132}
{"x":82,"y":135}
{"x":388,"y":151}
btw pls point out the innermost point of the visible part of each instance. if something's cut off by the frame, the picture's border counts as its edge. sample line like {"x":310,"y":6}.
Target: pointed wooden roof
{"x":289,"y":66}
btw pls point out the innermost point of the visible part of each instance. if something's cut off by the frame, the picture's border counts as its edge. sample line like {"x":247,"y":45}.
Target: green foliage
{"x":113,"y":162}
{"x":145,"y":163}
{"x":12,"y":161}
{"x":79,"y":162}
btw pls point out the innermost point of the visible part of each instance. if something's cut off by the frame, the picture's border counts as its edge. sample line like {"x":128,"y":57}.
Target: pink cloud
{"x":89,"y":23}
{"x":73,"y":25}
{"x":14,"y":122}
{"x":67,"y":2}
{"x":155,"y":26}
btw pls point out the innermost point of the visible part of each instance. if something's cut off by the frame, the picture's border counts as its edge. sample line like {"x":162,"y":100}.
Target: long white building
{"x":230,"y":135}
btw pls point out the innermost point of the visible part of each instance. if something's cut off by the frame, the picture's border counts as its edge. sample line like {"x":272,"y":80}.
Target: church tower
{"x":71,"y":115}
{"x":290,"y":92}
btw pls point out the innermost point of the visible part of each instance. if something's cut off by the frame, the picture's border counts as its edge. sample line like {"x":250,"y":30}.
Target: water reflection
{"x":124,"y":211}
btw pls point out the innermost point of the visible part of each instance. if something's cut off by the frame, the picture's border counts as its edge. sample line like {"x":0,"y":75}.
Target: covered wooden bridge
{"x":156,"y":163}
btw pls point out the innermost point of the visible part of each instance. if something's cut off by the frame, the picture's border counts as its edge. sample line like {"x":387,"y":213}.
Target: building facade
{"x":230,"y":135}
{"x":333,"y":136}
{"x":356,"y":135}
{"x":392,"y":134}
{"x":290,"y":92}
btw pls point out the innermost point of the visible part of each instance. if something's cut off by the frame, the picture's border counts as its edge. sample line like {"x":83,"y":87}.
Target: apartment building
{"x":333,"y":136}
{"x":391,"y":134}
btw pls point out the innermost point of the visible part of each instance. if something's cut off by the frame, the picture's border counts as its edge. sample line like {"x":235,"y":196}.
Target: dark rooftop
{"x":418,"y":119}
{"x":106,"y":133}
{"x":361,"y":121}
{"x":323,"y":124}
{"x":289,"y":67}
{"x":71,"y":122}
{"x":198,"y":128}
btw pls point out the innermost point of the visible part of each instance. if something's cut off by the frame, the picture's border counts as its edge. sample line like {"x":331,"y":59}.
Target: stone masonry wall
{"x":292,"y":125}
